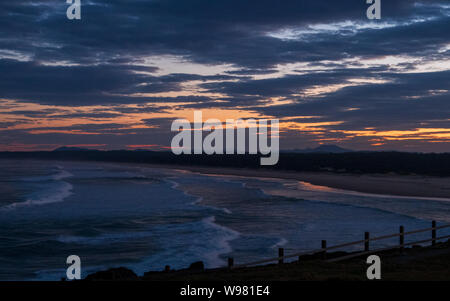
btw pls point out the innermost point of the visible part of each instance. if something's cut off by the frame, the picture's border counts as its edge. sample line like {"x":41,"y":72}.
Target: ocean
{"x":145,"y":218}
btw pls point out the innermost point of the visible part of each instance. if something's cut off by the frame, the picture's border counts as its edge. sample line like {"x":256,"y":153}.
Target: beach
{"x":144,"y":217}
{"x":381,"y":184}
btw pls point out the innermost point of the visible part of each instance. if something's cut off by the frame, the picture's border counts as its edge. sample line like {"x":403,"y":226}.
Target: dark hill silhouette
{"x":333,"y":149}
{"x":349,"y":162}
{"x":70,"y":149}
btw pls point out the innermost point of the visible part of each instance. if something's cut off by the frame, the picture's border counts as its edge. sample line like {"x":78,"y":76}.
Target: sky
{"x":117,"y":78}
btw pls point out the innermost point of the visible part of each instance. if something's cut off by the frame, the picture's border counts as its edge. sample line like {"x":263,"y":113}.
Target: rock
{"x":119,"y":274}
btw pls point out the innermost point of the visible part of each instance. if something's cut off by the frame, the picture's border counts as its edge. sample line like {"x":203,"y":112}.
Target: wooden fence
{"x":366,"y":242}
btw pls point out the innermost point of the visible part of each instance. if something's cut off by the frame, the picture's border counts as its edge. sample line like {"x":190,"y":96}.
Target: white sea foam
{"x":198,"y":200}
{"x":52,"y":189}
{"x":223,"y":246}
{"x":280,"y":243}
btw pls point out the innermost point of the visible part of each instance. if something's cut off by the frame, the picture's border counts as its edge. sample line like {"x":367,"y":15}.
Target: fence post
{"x":324,"y":246}
{"x":433,"y":233}
{"x":230,"y":262}
{"x":366,"y":243}
{"x":280,"y":255}
{"x":402,"y":238}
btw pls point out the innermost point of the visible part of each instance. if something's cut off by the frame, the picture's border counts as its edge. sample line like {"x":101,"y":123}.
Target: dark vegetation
{"x":416,"y":263}
{"x":351,"y":162}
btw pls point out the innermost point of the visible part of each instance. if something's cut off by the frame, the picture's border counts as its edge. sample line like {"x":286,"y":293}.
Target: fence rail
{"x":366,"y":242}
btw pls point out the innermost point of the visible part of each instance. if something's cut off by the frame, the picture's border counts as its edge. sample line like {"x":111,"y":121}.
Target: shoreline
{"x":381,"y":185}
{"x":378,"y":184}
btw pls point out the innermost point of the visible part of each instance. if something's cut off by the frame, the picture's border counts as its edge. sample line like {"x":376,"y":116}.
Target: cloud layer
{"x":122,"y":73}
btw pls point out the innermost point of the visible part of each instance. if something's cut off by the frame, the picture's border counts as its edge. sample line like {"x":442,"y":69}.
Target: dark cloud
{"x":66,"y":84}
{"x":102,"y":59}
{"x":287,"y":85}
{"x":232,"y":31}
{"x":99,"y":115}
{"x":408,"y":101}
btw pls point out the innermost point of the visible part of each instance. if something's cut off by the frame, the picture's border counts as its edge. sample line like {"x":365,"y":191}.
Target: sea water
{"x":144,"y":218}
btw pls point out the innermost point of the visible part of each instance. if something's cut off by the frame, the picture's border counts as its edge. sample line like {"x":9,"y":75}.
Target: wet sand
{"x":389,"y":184}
